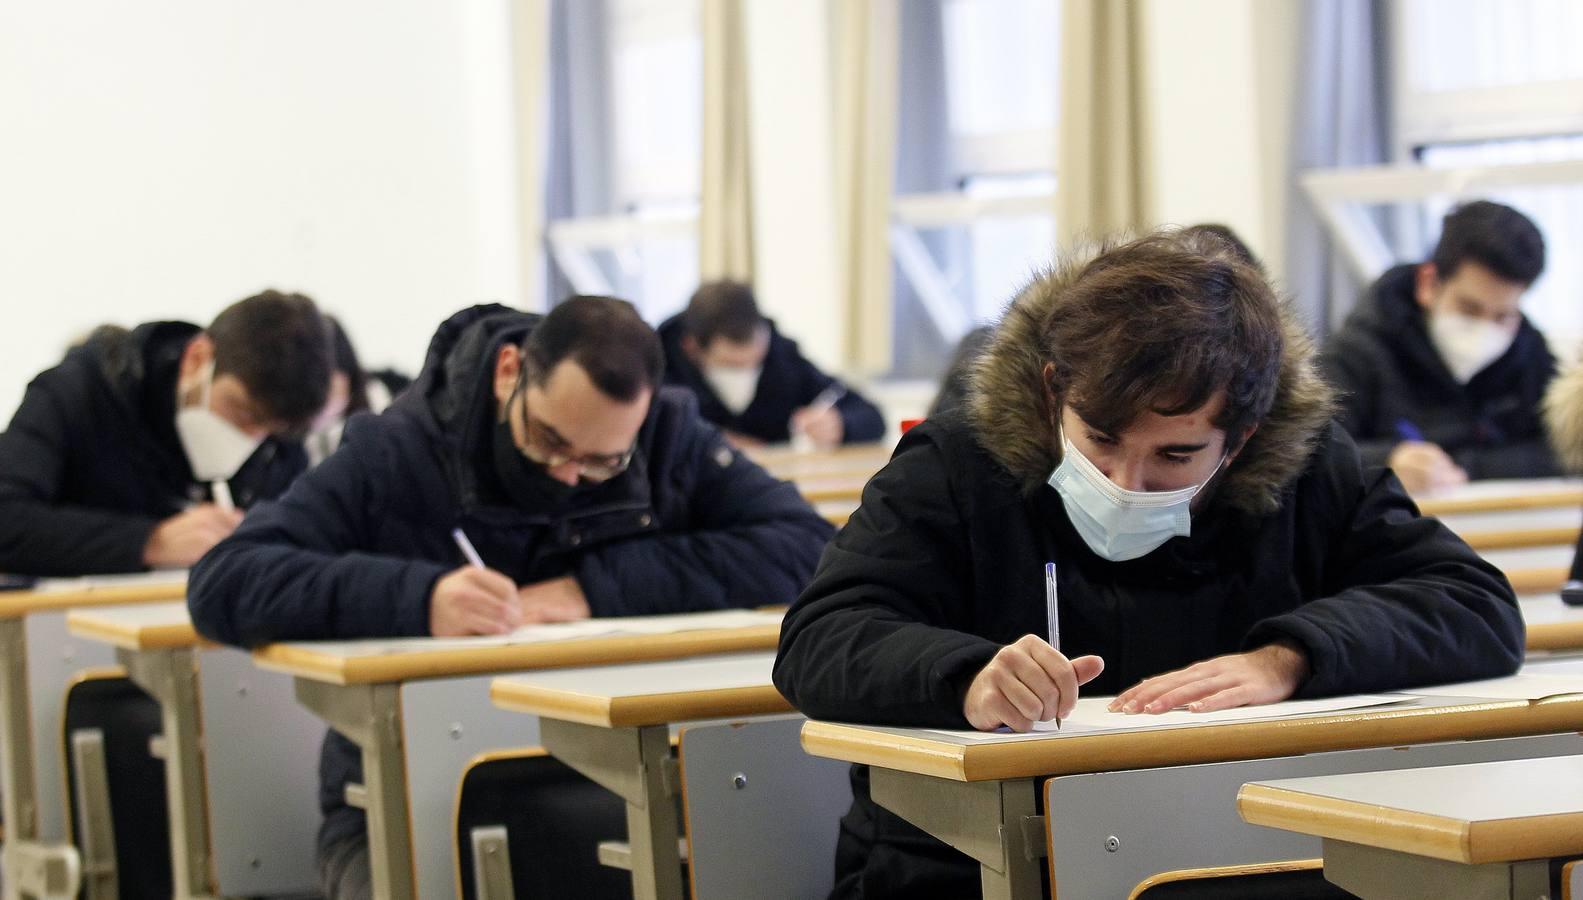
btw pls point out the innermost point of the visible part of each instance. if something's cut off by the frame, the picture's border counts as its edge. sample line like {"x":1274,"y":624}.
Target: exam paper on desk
{"x":585,"y":629}
{"x":1092,"y":716}
{"x":1522,"y":686}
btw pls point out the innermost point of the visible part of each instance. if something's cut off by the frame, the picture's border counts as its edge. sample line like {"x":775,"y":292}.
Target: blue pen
{"x":1407,"y":431}
{"x":1052,"y":614}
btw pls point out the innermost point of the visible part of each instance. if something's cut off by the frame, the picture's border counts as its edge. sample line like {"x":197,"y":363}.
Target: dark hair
{"x":1493,"y":235}
{"x":603,"y":335}
{"x":722,"y":309}
{"x":346,"y":362}
{"x":1164,"y":323}
{"x":278,"y":346}
{"x":1224,"y":233}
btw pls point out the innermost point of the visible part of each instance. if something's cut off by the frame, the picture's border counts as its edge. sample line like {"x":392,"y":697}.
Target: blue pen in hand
{"x":1407,"y":431}
{"x":1052,"y":615}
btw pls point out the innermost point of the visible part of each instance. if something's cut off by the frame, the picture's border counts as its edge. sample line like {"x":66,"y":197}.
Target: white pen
{"x":221,"y":491}
{"x":827,"y":398}
{"x":1052,"y":615}
{"x":468,"y":550}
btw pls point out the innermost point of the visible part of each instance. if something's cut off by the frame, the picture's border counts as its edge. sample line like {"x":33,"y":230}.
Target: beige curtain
{"x":725,"y":215}
{"x":1103,"y":166}
{"x":530,"y":54}
{"x":866,"y":37}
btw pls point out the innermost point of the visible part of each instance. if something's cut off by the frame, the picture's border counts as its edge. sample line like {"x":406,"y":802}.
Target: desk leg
{"x":987,"y":820}
{"x":28,"y":866}
{"x":370,"y":716}
{"x":170,"y":677}
{"x":1376,"y":874}
{"x":631,"y":763}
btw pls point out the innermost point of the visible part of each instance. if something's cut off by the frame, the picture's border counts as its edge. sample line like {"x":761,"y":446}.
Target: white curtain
{"x":725,"y":215}
{"x":1102,"y":170}
{"x":867,"y":38}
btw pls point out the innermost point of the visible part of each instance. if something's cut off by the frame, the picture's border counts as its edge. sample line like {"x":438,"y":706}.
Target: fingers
{"x":1059,"y":682}
{"x":1141,"y":695}
{"x":1190,"y":694}
{"x":1230,"y":698}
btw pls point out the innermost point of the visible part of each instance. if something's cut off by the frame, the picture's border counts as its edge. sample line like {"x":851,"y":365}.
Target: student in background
{"x":1147,"y":419}
{"x":1440,"y":374}
{"x":348,"y":395}
{"x":140,"y":447}
{"x":586,"y":489}
{"x":752,"y":381}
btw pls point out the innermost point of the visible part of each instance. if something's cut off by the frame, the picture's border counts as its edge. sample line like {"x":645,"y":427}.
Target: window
{"x":624,"y":184}
{"x":973,"y":215}
{"x":1492,"y":85}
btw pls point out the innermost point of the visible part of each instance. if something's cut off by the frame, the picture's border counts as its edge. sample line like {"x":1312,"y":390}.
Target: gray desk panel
{"x":1186,"y":817}
{"x":54,"y":658}
{"x":761,"y":814}
{"x":262,"y":768}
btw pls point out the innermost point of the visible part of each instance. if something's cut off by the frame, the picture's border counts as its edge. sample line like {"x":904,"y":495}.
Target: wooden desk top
{"x":1503,"y":494}
{"x":99,"y":590}
{"x":1564,"y":536}
{"x":960,"y":758}
{"x":655,"y":693}
{"x":591,"y":643}
{"x":146,"y":626}
{"x":1552,"y":625}
{"x":1479,"y":813}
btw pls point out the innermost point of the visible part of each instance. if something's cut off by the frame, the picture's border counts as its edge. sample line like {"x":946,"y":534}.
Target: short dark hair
{"x":1164,"y":323}
{"x":347,"y":363}
{"x":1493,"y":235}
{"x":278,"y":346}
{"x":1225,"y":233}
{"x":603,"y":335}
{"x":722,"y":309}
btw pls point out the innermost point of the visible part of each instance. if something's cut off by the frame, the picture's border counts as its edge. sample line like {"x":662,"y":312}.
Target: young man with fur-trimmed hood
{"x":1149,"y":419}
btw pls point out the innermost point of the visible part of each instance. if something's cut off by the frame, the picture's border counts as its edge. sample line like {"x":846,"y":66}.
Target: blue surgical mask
{"x":1115,"y":523}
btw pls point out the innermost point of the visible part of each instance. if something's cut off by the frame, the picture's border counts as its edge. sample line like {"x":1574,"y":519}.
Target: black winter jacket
{"x":354,"y":548}
{"x":1388,"y":372}
{"x":91,"y":463}
{"x":943,"y":564}
{"x":788,"y":383}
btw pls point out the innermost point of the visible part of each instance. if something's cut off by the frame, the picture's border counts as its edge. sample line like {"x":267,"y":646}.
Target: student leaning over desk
{"x":1149,"y":419}
{"x":544,"y":439}
{"x":133,"y":451}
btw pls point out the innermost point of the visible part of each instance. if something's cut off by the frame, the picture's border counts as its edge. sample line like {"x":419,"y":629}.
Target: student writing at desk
{"x":585,"y":490}
{"x":1149,"y":419}
{"x":753,"y":381}
{"x":136,"y":450}
{"x":1440,"y":374}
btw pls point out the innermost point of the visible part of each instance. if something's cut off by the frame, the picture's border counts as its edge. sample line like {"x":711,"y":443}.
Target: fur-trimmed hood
{"x":1563,"y":412}
{"x":1006,"y":404}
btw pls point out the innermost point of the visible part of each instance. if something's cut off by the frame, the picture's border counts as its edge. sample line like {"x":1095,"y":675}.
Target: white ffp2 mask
{"x":214,"y":447}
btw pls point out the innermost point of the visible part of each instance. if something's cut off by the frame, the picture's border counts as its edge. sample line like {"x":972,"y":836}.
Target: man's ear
{"x":1426,"y":284}
{"x":198,"y":353}
{"x":1246,"y":434}
{"x":691,"y":348}
{"x":508,"y":368}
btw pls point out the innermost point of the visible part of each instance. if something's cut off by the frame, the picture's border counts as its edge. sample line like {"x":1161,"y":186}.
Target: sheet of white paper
{"x":586,"y":629}
{"x":1092,"y":716}
{"x":1522,"y":686}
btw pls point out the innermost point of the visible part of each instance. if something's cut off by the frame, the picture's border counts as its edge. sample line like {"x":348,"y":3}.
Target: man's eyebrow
{"x":1183,"y":448}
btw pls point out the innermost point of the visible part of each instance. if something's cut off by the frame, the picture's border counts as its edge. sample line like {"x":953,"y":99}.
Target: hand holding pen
{"x":1029,"y":680}
{"x":473,"y":599}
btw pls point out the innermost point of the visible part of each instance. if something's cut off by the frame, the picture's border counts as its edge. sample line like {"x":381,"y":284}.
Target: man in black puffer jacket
{"x":1149,"y":420}
{"x":545,"y":440}
{"x":1440,"y":374}
{"x":131,"y":453}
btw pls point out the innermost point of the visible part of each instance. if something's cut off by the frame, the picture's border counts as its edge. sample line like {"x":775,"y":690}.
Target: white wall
{"x":1219,"y":77}
{"x":164,"y":158}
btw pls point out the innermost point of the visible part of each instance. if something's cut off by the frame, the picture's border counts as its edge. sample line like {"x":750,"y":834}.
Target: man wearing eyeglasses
{"x":585,"y":489}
